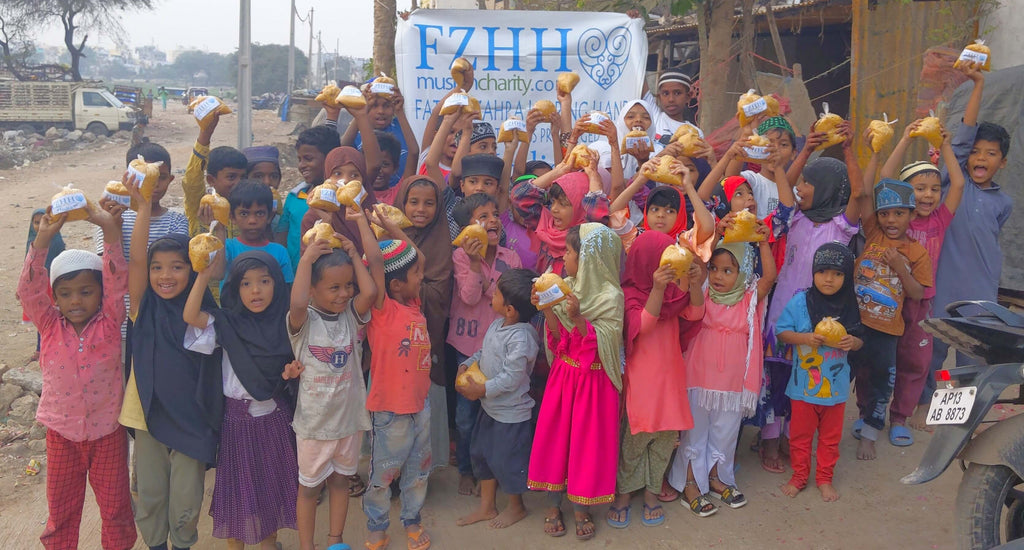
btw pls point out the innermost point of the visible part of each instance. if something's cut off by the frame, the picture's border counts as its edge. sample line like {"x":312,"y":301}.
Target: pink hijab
{"x":575,"y":185}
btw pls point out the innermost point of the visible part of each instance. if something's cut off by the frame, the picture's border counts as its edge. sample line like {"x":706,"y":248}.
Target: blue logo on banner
{"x":604,"y":56}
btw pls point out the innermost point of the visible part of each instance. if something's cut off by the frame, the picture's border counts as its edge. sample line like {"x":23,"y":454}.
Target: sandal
{"x":668,"y":492}
{"x":581,"y":526}
{"x":624,"y":511}
{"x":776,"y":469}
{"x":557,"y":523}
{"x":900,"y":436}
{"x":652,"y":521}
{"x":356,"y":486}
{"x":731,"y":496}
{"x":336,"y":546}
{"x":701,"y":506}
{"x":379,"y":545}
{"x":414,"y":540}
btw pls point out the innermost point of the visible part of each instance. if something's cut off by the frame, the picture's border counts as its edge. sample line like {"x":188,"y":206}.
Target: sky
{"x":173,"y":24}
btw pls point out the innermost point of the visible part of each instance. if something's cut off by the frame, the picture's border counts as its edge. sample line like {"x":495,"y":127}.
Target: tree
{"x":384,"y":22}
{"x":79,"y":17}
{"x":714,"y":32}
{"x":16,"y":17}
{"x":269,"y":61}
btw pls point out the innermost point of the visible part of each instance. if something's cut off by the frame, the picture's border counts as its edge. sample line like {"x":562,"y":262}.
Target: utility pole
{"x":309,"y":54}
{"x":319,"y":59}
{"x":244,"y":75}
{"x":291,"y":50}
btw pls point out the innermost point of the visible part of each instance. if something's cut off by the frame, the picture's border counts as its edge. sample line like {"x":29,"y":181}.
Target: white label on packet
{"x":759,"y":106}
{"x":549,"y":295}
{"x":514,"y":124}
{"x":456,"y":99}
{"x":212,"y":256}
{"x":973,"y":56}
{"x":350,"y":91}
{"x":205,"y":106}
{"x":638,"y":143}
{"x":123,"y":200}
{"x":329,"y":195}
{"x":359,"y":198}
{"x":597,"y":117}
{"x":756,"y":152}
{"x":67,"y":203}
{"x":382,"y":88}
{"x":139,"y":176}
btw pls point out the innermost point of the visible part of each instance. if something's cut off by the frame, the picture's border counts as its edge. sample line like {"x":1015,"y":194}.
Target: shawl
{"x":596,"y":285}
{"x":685,"y":210}
{"x":831,"y":183}
{"x":575,"y":185}
{"x":744,"y":255}
{"x":638,"y":280}
{"x":434,"y":241}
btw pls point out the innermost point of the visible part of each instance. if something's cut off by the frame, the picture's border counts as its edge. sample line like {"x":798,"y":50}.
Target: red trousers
{"x":804,"y":420}
{"x":913,"y":357}
{"x":105,"y":462}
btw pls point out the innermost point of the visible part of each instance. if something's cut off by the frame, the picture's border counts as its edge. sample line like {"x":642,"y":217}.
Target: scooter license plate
{"x":951,"y":405}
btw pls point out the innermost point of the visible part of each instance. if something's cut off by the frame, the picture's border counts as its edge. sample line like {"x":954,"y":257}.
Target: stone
{"x":37,"y":445}
{"x":52,"y":133}
{"x":74,"y":136}
{"x":38,"y":431}
{"x":123,"y":135}
{"x":23,"y":410}
{"x":61,"y":144}
{"x":89,"y":136}
{"x":29,"y":379}
{"x":8,"y":393}
{"x":17,"y":449}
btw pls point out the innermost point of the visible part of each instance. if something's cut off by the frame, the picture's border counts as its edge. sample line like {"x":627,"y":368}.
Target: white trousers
{"x":711,"y":441}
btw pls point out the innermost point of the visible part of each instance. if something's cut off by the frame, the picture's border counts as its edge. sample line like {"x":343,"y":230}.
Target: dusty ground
{"x":875,"y":510}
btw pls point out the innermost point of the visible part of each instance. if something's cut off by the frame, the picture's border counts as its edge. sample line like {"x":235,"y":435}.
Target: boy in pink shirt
{"x":478,"y":265}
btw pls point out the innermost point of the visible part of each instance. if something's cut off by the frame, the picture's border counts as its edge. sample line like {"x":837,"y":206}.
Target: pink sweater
{"x":471,"y":311}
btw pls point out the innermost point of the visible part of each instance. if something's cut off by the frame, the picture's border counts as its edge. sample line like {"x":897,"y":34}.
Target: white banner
{"x":516,"y":57}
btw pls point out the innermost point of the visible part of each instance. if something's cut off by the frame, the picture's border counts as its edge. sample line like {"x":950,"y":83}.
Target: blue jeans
{"x":466,"y":412}
{"x":399,"y":445}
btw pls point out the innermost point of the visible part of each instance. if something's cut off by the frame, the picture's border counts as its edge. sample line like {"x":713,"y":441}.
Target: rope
{"x":770,"y":62}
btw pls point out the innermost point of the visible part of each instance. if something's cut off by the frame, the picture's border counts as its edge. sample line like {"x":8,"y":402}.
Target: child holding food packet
{"x":820,"y":381}
{"x":82,"y":388}
{"x":575,"y":447}
{"x":220,"y":168}
{"x":311,"y":148}
{"x":342,"y":165}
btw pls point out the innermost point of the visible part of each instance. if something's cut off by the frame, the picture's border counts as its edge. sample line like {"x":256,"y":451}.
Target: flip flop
{"x":557,"y":521}
{"x":654,"y":522}
{"x":617,"y":511}
{"x":857,"y":427}
{"x":668,"y":492}
{"x":900,"y":436}
{"x":775,"y":470}
{"x":379,"y":545}
{"x":582,"y":524}
{"x":338,"y":546}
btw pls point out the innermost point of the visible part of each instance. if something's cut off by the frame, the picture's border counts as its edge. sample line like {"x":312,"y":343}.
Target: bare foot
{"x":790,"y":490}
{"x":828,"y":492}
{"x":476,"y":516}
{"x":770,"y":460}
{"x":466,"y":485}
{"x":866,"y":449}
{"x":508,"y":516}
{"x":917,"y":420}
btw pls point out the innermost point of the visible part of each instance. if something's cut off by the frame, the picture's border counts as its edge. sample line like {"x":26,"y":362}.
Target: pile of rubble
{"x":18,"y":149}
{"x":20,"y":434}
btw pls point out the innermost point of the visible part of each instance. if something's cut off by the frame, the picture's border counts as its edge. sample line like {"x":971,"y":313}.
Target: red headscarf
{"x":575,"y":185}
{"x":731,"y":184}
{"x":680,"y":224}
{"x":638,"y":280}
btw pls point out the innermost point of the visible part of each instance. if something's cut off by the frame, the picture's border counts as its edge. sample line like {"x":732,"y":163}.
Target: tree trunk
{"x":68,"y":19}
{"x":714,"y":27}
{"x":384,"y":20}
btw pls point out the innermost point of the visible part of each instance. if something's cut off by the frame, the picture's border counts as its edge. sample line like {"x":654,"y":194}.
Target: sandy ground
{"x":875,"y":510}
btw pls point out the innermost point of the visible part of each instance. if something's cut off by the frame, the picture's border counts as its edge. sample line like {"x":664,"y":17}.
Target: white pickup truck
{"x":35,"y":106}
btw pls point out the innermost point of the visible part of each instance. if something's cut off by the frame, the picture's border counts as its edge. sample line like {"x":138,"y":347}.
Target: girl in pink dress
{"x":575,"y":448}
{"x":723,"y":385}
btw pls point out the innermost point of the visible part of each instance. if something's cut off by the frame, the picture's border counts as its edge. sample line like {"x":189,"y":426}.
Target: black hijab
{"x":843,"y":304}
{"x":181,"y":391}
{"x":831,"y":182}
{"x":257,"y":343}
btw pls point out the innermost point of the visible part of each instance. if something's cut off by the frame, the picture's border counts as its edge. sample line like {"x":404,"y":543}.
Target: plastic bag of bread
{"x":692,"y":144}
{"x":829,"y":123}
{"x":593,"y":125}
{"x":831,"y":329}
{"x":351,"y":97}
{"x":756,"y":148}
{"x":473,"y":373}
{"x":687,"y":128}
{"x":324,"y":197}
{"x":203,"y":108}
{"x":117,"y":192}
{"x":475,"y":230}
{"x":881,"y":132}
{"x":147,"y":174}
{"x":551,"y":289}
{"x":636,"y":141}
{"x":743,"y":229}
{"x":219,"y":205}
{"x":456,"y":101}
{"x":546,"y":107}
{"x":321,"y":231}
{"x":930,"y":129}
{"x":383,"y":86}
{"x":511,"y":130}
{"x":664,"y":173}
{"x":750,"y":105}
{"x":774,"y":109}
{"x":392,"y":213}
{"x":350,"y":193}
{"x":329,"y":95}
{"x":567,"y":82}
{"x":679,"y":257}
{"x":462,"y":74}
{"x":278,"y":201}
{"x":473,"y":107}
{"x":580,"y":156}
{"x":976,"y":52}
{"x":70,"y":201}
{"x":203,"y":248}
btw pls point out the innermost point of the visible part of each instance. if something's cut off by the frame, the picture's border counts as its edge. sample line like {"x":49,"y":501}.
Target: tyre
{"x":26,"y":129}
{"x":980,"y":500}
{"x":97,"y":128}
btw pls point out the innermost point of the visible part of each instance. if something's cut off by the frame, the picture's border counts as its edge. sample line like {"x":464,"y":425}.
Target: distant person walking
{"x":162,"y":94}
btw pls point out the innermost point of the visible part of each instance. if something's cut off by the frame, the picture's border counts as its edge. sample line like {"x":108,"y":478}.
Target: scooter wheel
{"x":979,"y":507}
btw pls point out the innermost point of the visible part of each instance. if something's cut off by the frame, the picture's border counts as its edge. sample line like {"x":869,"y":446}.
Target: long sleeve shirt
{"x":471,"y":311}
{"x":82,"y":373}
{"x":193,"y":184}
{"x":506,"y":359}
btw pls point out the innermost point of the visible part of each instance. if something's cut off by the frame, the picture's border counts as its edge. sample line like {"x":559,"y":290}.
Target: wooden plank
{"x":773,"y":28}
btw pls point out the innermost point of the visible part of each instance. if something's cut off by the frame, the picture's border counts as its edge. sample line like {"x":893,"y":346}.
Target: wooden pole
{"x":776,"y":40}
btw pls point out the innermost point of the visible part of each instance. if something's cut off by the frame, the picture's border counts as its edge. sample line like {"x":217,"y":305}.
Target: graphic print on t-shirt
{"x":335,"y":357}
{"x":877,"y":286}
{"x":417,"y":345}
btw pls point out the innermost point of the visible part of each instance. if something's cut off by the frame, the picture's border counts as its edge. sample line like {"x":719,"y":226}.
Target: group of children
{"x":639,"y":379}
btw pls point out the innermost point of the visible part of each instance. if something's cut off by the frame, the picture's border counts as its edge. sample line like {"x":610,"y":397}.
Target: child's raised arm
{"x":768,"y":270}
{"x":857,"y":194}
{"x":138,"y":261}
{"x":956,"y":174}
{"x":714,"y":177}
{"x":565,"y":111}
{"x":778,"y":170}
{"x":507,"y":158}
{"x":434,"y":121}
{"x":973,"y":71}
{"x":371,"y":149}
{"x":811,"y":142}
{"x":193,"y":313}
{"x":639,"y":181}
{"x":193,"y":183}
{"x":533,"y":118}
{"x":411,"y":144}
{"x":298,"y":309}
{"x":618,"y":177}
{"x":465,"y":125}
{"x":369,"y":290}
{"x":433,"y":159}
{"x":348,"y":139}
{"x":702,"y":218}
{"x":892,"y":165}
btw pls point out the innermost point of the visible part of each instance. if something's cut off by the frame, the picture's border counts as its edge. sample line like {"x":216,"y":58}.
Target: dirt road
{"x":875,"y":510}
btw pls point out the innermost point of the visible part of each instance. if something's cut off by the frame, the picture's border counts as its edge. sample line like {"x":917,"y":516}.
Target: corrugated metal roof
{"x":781,"y":12}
